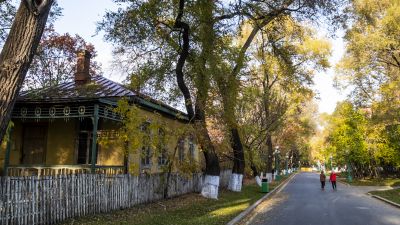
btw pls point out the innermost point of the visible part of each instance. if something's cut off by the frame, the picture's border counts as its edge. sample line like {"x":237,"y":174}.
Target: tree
{"x":285,"y":52}
{"x":161,"y":40}
{"x":295,"y":134}
{"x":372,"y":56}
{"x":195,"y":38}
{"x":55,"y":60}
{"x":347,"y":131}
{"x":371,"y":66}
{"x":18,"y":51}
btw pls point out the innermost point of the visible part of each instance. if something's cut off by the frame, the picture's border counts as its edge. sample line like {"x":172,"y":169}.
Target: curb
{"x":385,"y":200}
{"x":342,"y":182}
{"x":246,"y":212}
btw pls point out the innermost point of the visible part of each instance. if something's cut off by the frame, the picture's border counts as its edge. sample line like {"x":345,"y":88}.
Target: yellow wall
{"x":16,"y":137}
{"x":2,"y":155}
{"x":173,"y":125}
{"x":112,"y":153}
{"x":61,"y":142}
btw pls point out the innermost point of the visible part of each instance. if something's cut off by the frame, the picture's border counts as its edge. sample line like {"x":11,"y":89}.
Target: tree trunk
{"x":212,"y":170}
{"x":235,"y":182}
{"x":254,"y":169}
{"x":270,"y":153}
{"x":237,"y":147}
{"x":17,"y":53}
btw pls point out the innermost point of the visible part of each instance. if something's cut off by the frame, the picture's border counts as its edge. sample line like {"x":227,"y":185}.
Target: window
{"x":192,"y":147}
{"x":84,"y":147}
{"x":162,"y":157}
{"x":34,"y":144}
{"x":146,"y":156}
{"x":145,"y":127}
{"x":84,"y":139}
{"x":181,"y":149}
{"x":146,"y":149}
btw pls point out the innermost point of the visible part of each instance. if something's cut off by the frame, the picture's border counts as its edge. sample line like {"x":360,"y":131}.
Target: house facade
{"x":59,"y":130}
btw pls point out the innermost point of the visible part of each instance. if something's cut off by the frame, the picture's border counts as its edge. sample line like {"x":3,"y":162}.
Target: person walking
{"x":332,"y":179}
{"x":322,"y":178}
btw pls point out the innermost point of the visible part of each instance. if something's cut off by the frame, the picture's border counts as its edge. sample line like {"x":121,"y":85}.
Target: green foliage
{"x":347,"y":129}
{"x":353,"y":137}
{"x":277,"y":97}
{"x":372,"y":50}
{"x":7,"y":137}
{"x":371,"y":66}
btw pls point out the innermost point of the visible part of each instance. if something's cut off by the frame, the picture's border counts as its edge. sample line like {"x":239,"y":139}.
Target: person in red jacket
{"x":332,"y":179}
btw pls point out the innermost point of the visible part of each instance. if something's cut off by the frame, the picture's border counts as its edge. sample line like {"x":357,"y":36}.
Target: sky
{"x":80,"y":17}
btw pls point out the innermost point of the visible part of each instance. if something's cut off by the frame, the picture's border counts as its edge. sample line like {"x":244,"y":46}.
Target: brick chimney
{"x":82,"y":75}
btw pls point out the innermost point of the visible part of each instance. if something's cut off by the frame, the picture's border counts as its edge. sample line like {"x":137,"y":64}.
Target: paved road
{"x":302,"y":202}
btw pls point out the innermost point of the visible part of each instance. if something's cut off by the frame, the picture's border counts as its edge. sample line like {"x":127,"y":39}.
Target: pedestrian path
{"x":303,"y":202}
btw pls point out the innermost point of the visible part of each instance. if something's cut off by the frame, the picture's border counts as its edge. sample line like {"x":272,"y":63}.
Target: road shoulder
{"x":250,"y":209}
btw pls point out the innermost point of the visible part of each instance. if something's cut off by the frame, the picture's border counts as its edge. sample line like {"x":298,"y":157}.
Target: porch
{"x":56,"y":138}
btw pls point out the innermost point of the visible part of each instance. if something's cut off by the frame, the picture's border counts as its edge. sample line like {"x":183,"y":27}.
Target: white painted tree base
{"x":210,"y":187}
{"x":258,"y":180}
{"x":235,"y":182}
{"x":269,"y":177}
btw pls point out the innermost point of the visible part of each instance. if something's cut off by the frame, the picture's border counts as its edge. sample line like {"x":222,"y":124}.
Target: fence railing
{"x":52,"y":199}
{"x":54,"y":170}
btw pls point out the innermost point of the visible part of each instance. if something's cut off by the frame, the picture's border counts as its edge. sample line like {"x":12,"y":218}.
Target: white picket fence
{"x":52,"y":199}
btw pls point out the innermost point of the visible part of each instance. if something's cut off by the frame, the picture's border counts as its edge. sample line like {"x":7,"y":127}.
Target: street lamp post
{"x":287,"y":158}
{"x":331,"y":162}
{"x":276,"y":153}
{"x":349,"y":177}
{"x":291,"y":163}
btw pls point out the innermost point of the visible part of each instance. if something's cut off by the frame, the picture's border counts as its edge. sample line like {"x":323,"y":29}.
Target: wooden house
{"x":56,"y":129}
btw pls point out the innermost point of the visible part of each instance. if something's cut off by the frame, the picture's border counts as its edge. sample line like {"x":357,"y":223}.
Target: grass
{"x":393,"y":182}
{"x":392,"y":195}
{"x":187,"y":209}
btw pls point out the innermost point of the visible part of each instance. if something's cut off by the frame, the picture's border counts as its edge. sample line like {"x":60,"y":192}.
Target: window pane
{"x":146,"y":156}
{"x":191,"y":147}
{"x":181,"y":150}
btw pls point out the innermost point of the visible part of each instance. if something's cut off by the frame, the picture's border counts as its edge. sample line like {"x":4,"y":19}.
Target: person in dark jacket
{"x":332,"y":179}
{"x":322,"y":178}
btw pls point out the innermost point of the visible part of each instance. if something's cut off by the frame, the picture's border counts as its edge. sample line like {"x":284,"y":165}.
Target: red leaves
{"x":55,"y":59}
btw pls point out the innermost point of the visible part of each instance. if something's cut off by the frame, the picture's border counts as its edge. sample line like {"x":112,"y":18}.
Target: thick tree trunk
{"x":17,"y":53}
{"x":235,"y":182}
{"x":270,"y":153}
{"x":236,"y":143}
{"x":212,"y":170}
{"x":254,"y":169}
{"x":211,"y":158}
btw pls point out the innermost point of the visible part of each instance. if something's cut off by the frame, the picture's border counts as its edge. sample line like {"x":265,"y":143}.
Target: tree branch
{"x":184,"y":28}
